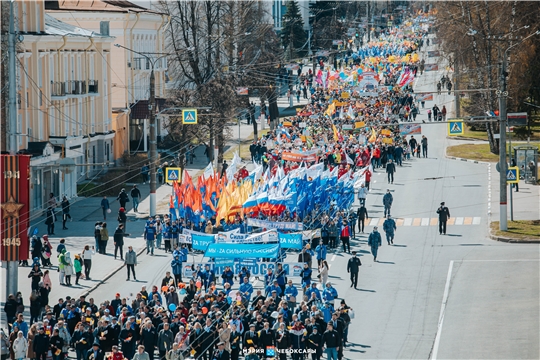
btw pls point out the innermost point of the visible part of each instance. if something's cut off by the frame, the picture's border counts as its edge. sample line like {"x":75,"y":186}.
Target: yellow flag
{"x":336,"y":134}
{"x":373,"y":136}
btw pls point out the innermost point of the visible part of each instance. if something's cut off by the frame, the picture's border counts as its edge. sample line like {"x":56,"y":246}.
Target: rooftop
{"x":96,"y":5}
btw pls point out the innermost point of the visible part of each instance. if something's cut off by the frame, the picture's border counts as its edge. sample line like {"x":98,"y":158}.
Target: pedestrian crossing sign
{"x":172,"y":174}
{"x":189,"y":116}
{"x":512,"y":175}
{"x":455,"y":128}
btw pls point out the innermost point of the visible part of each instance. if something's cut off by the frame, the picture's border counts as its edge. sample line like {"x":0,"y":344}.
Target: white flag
{"x":208,"y":171}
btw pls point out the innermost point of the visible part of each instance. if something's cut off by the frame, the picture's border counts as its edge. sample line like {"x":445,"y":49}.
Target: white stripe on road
{"x":333,"y":257}
{"x":374,"y":222}
{"x":425,"y":222}
{"x":476,"y":220}
{"x":443,"y":310}
{"x":459,"y":221}
{"x":408,"y":222}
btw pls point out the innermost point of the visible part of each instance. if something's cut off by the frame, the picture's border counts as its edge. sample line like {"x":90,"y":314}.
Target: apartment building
{"x":137,"y":28}
{"x":64,"y":102}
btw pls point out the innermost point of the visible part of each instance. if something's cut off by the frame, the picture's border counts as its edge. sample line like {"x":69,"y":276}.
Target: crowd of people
{"x":350,"y":125}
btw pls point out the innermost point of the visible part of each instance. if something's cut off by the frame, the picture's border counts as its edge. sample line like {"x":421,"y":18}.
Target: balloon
{"x":181,"y":285}
{"x":229,"y":300}
{"x":183,"y":291}
{"x":198,"y":284}
{"x":204,"y":310}
{"x":164,"y":288}
{"x":172,"y":307}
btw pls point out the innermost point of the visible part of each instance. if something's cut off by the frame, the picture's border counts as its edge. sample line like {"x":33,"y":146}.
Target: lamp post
{"x":153,"y":134}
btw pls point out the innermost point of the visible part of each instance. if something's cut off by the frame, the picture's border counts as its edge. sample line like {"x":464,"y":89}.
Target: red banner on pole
{"x":15,"y":207}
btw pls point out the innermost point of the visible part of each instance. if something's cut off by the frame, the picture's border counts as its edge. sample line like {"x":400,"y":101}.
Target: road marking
{"x":451,"y":221}
{"x":374,"y":222}
{"x":399,"y":222}
{"x":333,"y":257}
{"x":425,"y":222}
{"x":467,"y":221}
{"x":381,"y":221}
{"x":459,"y":221}
{"x":476,"y":220}
{"x":417,"y":221}
{"x":407,"y":222}
{"x":433,"y":221}
{"x":443,"y":310}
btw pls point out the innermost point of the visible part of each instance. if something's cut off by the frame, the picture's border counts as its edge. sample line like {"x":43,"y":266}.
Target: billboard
{"x":15,"y":207}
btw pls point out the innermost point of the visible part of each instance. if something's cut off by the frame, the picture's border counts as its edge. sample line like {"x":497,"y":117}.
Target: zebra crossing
{"x":426,"y":221}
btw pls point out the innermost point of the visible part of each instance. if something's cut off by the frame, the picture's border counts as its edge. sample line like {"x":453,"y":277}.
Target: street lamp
{"x":153,"y":134}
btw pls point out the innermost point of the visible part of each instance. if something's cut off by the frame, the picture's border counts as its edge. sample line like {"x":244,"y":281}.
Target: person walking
{"x":390,"y":170}
{"x":131,"y":262}
{"x":331,"y":341}
{"x":49,"y":221}
{"x":323,"y":272}
{"x":145,"y":170}
{"x":150,"y":236}
{"x":362,"y":216}
{"x":436,"y":111}
{"x":424,"y":146}
{"x":362,"y":195}
{"x":103,"y":238}
{"x":374,"y":241}
{"x":122,"y":218}
{"x":332,"y":234}
{"x":444,"y":214}
{"x":87,"y":255}
{"x":388,"y":199}
{"x":122,"y":198}
{"x":105,"y":207}
{"x":118,"y":238}
{"x":443,"y":112}
{"x":345,"y":236}
{"x":389,"y":227}
{"x":136,"y":196}
{"x":353,"y":267}
{"x":65,"y":212}
{"x":176,"y":267}
{"x":320,"y":251}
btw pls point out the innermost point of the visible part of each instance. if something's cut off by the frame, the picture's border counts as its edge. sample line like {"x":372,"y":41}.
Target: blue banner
{"x":241,"y":251}
{"x":201,"y":242}
{"x":290,"y":241}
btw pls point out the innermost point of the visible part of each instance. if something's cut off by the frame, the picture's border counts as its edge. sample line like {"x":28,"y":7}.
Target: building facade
{"x":141,"y":30}
{"x":64,"y":103}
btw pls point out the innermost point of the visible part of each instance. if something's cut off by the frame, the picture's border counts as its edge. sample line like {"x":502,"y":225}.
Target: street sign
{"x":517,"y":119}
{"x":189,"y":116}
{"x":455,"y":128}
{"x":512,"y":175}
{"x":172,"y":174}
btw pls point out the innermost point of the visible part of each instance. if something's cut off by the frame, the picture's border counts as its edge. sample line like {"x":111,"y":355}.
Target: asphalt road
{"x":430,"y":296}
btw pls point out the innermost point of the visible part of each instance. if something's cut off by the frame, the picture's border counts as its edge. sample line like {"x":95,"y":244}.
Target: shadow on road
{"x":366,"y":290}
{"x":385,"y":262}
{"x":400,"y":245}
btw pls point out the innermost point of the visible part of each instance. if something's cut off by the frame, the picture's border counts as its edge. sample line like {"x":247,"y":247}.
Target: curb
{"x":108,"y":276}
{"x":468,"y":160}
{"x":513,"y":241}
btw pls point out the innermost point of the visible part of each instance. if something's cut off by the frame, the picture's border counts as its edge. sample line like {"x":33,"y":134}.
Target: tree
{"x":476,"y":34}
{"x":293,"y":34}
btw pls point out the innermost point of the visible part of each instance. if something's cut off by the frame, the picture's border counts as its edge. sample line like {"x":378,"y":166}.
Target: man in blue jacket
{"x":150,"y":236}
{"x":246,"y":289}
{"x":389,"y":227}
{"x":176,"y":265}
{"x":374,"y":241}
{"x":305,"y":274}
{"x":291,"y":292}
{"x":320,"y":251}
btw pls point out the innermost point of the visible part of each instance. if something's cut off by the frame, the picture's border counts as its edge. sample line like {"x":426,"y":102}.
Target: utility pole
{"x":152,"y":155}
{"x":153,"y":142}
{"x":457,"y":103}
{"x":502,"y":93}
{"x":12,"y":267}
